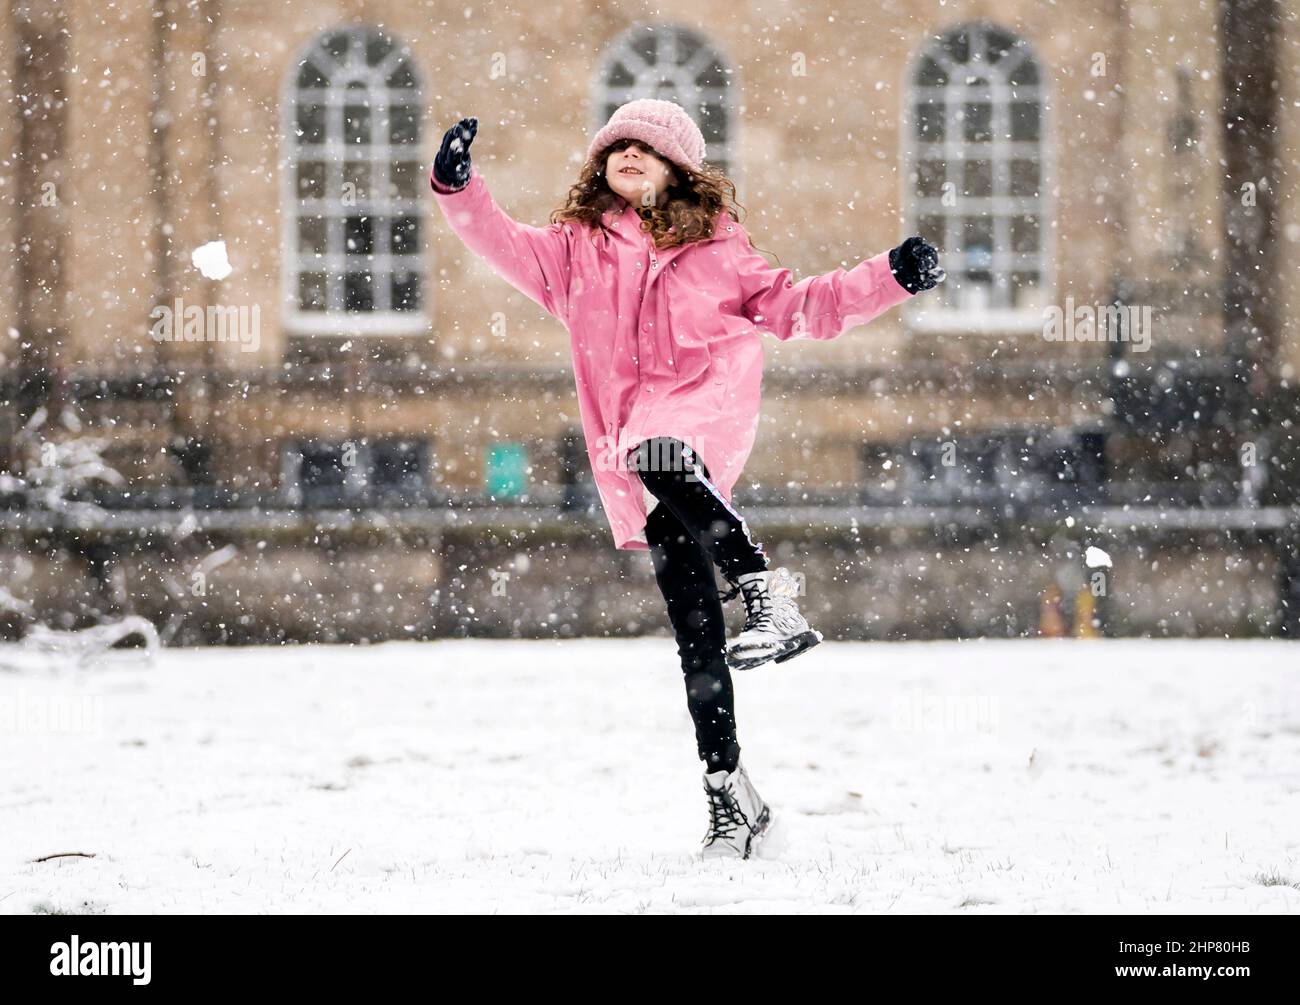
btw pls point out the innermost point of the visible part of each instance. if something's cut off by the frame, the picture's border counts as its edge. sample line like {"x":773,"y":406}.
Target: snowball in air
{"x":1094,"y":557}
{"x":211,"y":260}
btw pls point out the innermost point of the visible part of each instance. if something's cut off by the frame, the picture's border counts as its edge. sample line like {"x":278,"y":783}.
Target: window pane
{"x":356,"y":180}
{"x":312,"y":295}
{"x":713,"y":75}
{"x":1026,"y":290}
{"x":322,"y":465}
{"x":406,"y":291}
{"x":1001,"y":284}
{"x":404,"y":180}
{"x":683,"y":45}
{"x":1024,"y":120}
{"x":930,"y":176}
{"x":647,"y":46}
{"x":1024,"y":178}
{"x":403,"y":76}
{"x":506,"y":470}
{"x":356,"y":124}
{"x":998,"y":43}
{"x":1024,"y":233}
{"x":397,"y":463}
{"x":359,"y":291}
{"x":977,"y":120}
{"x":1026,"y":74}
{"x":618,"y":76}
{"x":337,"y":45}
{"x":311,"y":76}
{"x":359,"y":235}
{"x":311,"y":123}
{"x":957,"y":45}
{"x":713,"y":122}
{"x":977,"y":241}
{"x":405,"y":235}
{"x":930,"y":121}
{"x":378,"y":47}
{"x":931,"y":74}
{"x":973,"y":292}
{"x":934,"y":229}
{"x":311,"y":235}
{"x":311,"y":180}
{"x":403,"y":124}
{"x":978,"y":178}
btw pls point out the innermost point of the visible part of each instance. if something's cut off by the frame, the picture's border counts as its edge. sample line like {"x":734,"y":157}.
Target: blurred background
{"x":252,"y":389}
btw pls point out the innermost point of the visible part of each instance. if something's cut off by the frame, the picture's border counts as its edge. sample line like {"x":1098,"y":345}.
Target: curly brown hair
{"x":688,"y":214}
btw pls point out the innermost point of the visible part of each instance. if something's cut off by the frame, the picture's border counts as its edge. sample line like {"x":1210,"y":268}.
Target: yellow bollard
{"x":1051,"y":618}
{"x":1084,"y":613}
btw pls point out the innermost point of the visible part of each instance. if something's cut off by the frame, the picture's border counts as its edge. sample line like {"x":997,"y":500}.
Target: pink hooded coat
{"x":665,"y":342}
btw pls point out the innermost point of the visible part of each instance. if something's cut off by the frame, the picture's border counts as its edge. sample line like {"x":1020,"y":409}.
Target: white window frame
{"x":671,"y":80}
{"x":933,"y":311}
{"x":380,"y":205}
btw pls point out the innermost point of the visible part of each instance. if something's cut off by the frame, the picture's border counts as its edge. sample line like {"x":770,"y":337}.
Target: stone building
{"x":383,"y":435}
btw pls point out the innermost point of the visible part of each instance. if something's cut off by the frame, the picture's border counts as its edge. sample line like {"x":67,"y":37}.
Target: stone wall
{"x":372,"y":584}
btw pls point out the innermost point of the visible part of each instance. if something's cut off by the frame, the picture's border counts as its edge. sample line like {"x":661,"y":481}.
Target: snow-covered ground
{"x":561,"y":776}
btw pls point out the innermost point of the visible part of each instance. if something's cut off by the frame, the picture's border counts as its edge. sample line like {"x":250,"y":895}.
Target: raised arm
{"x":534,"y":260}
{"x":819,"y":307}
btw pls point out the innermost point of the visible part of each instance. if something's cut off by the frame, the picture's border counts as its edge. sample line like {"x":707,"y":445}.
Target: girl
{"x":663,"y":295}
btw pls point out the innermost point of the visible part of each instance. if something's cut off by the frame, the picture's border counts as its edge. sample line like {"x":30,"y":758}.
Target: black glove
{"x":451,"y":166}
{"x":915,"y":265}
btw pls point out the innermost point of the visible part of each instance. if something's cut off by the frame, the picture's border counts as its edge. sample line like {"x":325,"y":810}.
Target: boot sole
{"x":801,"y":643}
{"x":805,"y":641}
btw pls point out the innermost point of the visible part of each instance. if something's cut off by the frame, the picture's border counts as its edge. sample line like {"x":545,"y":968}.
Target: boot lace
{"x":760,"y":616}
{"x":724,"y":814}
{"x":760,"y":607}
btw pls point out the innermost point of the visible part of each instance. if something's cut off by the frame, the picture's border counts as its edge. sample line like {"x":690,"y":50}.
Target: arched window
{"x":977,"y":174}
{"x":673,"y":63}
{"x":353,"y":247}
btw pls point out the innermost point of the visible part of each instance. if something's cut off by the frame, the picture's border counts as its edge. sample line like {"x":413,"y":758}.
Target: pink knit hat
{"x":664,"y":125}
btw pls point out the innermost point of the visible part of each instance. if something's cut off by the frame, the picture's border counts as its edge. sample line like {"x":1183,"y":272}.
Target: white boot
{"x":738,"y":817}
{"x":774,"y":628}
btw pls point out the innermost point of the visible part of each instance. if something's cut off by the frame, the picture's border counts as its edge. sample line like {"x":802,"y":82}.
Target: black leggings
{"x":690,"y":530}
